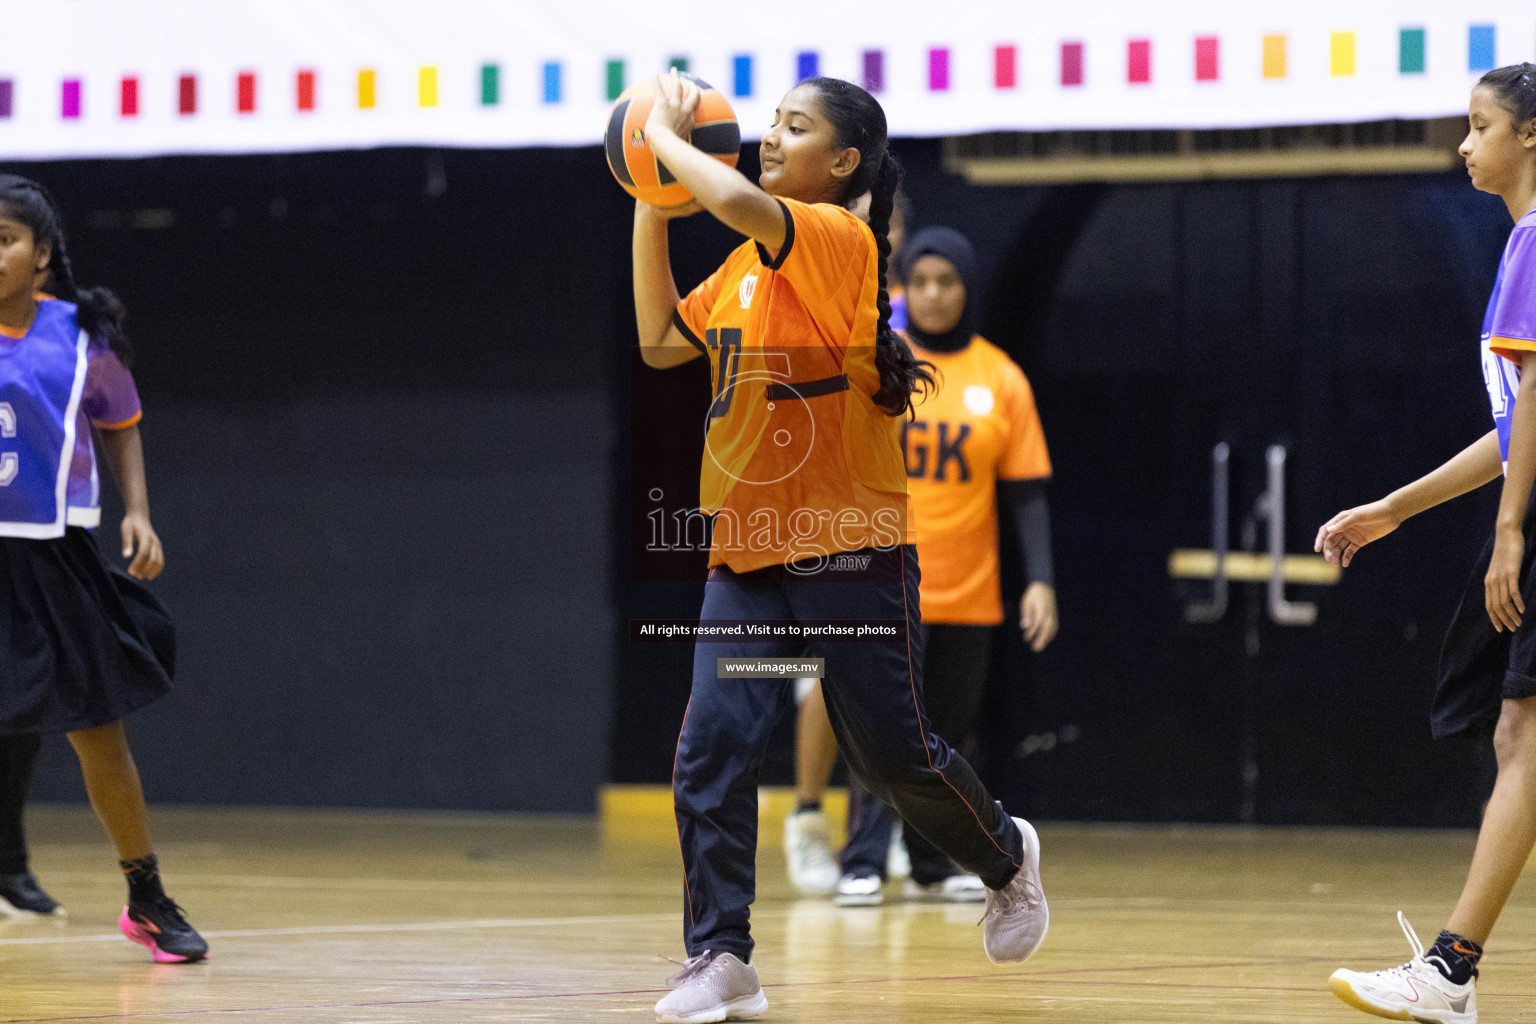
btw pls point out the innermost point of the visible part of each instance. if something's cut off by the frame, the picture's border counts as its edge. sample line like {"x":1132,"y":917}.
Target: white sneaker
{"x":1415,"y":991}
{"x":954,"y":889}
{"x":898,"y":863}
{"x":812,"y":868}
{"x":859,"y":891}
{"x":1017,"y":917}
{"x":712,"y":987}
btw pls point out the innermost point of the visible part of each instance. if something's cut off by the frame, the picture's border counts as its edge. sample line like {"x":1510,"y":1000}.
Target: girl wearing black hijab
{"x":977,"y":436}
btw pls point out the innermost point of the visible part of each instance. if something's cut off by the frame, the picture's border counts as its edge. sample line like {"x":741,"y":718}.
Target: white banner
{"x":89,"y":78}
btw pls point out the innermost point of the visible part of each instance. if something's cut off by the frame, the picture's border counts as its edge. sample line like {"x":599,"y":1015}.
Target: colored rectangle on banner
{"x":1274,"y":57}
{"x":186,"y":95}
{"x":490,"y":85}
{"x":1005,"y":67}
{"x":1138,"y":61}
{"x":1207,"y":59}
{"x":367,"y":89}
{"x":741,"y":74}
{"x":128,"y":97}
{"x":69,"y":99}
{"x":1341,"y":54}
{"x":7,"y":97}
{"x":1410,"y":51}
{"x":245,"y":93}
{"x":807,"y":65}
{"x":1071,"y":63}
{"x":1480,"y":40}
{"x":552,"y":82}
{"x":681,"y":63}
{"x":938,"y":69}
{"x":304,"y":90}
{"x":614,"y":79}
{"x":874,"y":70}
{"x":426,"y":86}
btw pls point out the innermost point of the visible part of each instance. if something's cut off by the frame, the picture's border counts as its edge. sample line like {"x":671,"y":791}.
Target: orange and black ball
{"x":715,"y":132}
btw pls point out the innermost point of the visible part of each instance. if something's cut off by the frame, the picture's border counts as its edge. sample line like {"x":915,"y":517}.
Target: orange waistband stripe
{"x":124,"y":425}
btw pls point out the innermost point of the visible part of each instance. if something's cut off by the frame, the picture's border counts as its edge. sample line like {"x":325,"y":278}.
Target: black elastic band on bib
{"x":687,"y":332}
{"x":789,"y":241}
{"x":810,"y":389}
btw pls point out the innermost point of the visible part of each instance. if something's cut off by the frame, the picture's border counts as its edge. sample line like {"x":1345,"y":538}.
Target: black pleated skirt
{"x":1480,"y":667}
{"x":82,"y":644}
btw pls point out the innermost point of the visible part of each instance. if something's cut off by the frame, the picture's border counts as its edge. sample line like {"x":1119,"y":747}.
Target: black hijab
{"x":951,"y":245}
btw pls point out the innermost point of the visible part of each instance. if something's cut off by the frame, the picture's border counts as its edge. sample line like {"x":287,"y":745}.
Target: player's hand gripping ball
{"x":715,"y":132}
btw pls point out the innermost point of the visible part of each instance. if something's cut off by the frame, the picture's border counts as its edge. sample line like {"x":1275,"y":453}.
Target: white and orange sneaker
{"x":1415,"y":991}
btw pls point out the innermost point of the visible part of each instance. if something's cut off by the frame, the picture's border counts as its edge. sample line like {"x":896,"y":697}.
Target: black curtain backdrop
{"x":378,"y":435}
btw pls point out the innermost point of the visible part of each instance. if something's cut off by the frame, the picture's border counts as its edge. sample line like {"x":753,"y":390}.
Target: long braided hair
{"x":101,"y":313}
{"x":1515,"y":86}
{"x":859,"y":122}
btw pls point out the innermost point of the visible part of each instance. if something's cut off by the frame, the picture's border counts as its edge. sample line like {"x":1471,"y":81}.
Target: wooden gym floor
{"x":347,"y":918}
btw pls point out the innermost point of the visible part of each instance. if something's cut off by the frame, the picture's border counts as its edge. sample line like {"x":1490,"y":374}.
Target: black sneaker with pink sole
{"x":161,"y":927}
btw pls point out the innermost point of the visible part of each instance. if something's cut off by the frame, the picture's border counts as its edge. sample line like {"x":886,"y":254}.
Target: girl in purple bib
{"x":1487,"y":682}
{"x":82,"y":645}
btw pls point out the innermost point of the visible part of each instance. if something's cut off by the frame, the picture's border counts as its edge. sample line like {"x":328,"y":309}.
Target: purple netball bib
{"x":42,"y":376}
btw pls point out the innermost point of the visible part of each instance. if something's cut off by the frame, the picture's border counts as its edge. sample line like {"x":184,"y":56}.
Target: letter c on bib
{"x":9,"y":463}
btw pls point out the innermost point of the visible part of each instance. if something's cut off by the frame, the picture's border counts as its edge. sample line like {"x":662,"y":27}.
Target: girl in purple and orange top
{"x":109,"y":402}
{"x":1488,"y":664}
{"x":81,"y":644}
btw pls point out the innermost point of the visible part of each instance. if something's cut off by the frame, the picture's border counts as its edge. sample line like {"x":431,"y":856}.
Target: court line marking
{"x":467,"y":885}
{"x":360,"y":929}
{"x":494,"y":923}
{"x":479,"y":886}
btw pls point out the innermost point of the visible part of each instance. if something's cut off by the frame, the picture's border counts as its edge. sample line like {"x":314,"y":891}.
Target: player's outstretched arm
{"x":1342,"y":537}
{"x":661,"y":345}
{"x":124,"y":452}
{"x":723,"y":191}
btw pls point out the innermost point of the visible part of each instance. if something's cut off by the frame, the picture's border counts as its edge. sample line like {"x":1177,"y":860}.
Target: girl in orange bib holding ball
{"x":804,"y":476}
